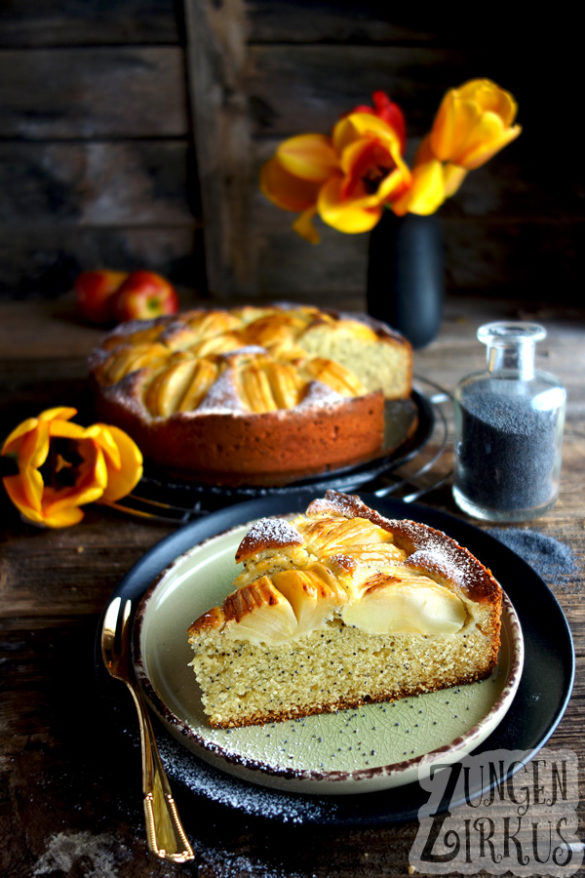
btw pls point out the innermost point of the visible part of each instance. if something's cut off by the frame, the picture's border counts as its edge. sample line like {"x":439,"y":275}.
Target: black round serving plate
{"x":540,"y":702}
{"x":409,"y":425}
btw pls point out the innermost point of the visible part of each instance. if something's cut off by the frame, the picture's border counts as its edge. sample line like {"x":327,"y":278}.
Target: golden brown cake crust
{"x":266,"y":449}
{"x":249,"y":396}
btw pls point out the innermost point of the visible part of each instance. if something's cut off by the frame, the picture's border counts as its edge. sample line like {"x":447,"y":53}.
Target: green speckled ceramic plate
{"x":375,"y":747}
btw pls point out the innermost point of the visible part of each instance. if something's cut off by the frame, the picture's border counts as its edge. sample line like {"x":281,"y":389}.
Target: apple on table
{"x":104,"y":296}
{"x":94,"y":291}
{"x":144,"y":295}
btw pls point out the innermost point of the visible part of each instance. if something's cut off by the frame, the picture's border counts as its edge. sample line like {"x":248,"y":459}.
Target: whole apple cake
{"x":252,"y":395}
{"x":339,"y":607}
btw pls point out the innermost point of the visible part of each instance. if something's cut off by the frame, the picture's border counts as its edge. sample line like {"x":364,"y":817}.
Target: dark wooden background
{"x":97,"y":162}
{"x":131,"y":134}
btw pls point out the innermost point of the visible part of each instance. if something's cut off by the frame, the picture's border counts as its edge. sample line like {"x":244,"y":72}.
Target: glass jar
{"x":509,"y":424}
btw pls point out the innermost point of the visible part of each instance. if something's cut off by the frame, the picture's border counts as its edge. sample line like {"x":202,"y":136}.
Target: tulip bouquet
{"x":61,"y":466}
{"x":351,"y":176}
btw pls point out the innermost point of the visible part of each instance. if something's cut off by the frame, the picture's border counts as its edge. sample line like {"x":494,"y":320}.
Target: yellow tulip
{"x":432,"y":182}
{"x":62,"y":466}
{"x":473,"y":123}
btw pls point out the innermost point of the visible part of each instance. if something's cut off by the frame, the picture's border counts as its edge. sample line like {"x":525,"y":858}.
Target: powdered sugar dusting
{"x":276,"y":531}
{"x":129,"y":327}
{"x":268,"y":533}
{"x":434,"y":551}
{"x":347,"y":506}
{"x":319,"y":394}
{"x":226,"y":864}
{"x":172,"y":330}
{"x":223,"y":789}
{"x":246,"y":350}
{"x":321,"y":507}
{"x":222,"y":397}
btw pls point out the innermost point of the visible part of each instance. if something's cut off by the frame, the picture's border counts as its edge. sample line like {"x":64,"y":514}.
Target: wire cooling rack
{"x":408,"y":474}
{"x":423,"y":473}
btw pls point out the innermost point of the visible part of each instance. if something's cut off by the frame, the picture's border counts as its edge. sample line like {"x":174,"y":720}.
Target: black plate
{"x":409,"y":426}
{"x":541,"y":700}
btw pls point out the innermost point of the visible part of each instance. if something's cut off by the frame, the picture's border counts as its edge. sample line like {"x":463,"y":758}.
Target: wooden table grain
{"x":70,"y":787}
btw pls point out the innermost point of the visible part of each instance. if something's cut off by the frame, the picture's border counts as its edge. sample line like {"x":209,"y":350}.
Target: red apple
{"x":144,"y":295}
{"x":94,"y":291}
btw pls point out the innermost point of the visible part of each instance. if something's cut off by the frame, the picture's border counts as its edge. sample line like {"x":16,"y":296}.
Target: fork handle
{"x":164,"y":830}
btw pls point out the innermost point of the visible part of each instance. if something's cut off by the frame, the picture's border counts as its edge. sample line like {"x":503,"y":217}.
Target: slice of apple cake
{"x":339,"y":607}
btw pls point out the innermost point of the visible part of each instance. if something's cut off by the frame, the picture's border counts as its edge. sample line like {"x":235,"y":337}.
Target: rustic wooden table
{"x":71,"y":802}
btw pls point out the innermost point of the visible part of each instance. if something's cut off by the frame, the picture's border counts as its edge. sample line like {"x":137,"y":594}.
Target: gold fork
{"x":164,"y":831}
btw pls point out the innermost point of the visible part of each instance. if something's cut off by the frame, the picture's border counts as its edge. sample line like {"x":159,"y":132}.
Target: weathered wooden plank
{"x":368,"y":22}
{"x":43,"y":261}
{"x":288,"y":265}
{"x":93,"y":92}
{"x":90,"y":567}
{"x":538,"y":261}
{"x":220,"y":106}
{"x":89,"y":22}
{"x":320,"y":21}
{"x":307,"y":87}
{"x":497,"y":257}
{"x":97,"y":183}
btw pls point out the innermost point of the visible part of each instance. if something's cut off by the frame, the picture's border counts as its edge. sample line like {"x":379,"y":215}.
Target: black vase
{"x":405,"y":283}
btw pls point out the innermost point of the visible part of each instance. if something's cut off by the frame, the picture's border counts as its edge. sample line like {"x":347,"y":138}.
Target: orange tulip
{"x":62,"y":466}
{"x":473,"y":123}
{"x":293,"y":177}
{"x":373,"y":173}
{"x":347,"y":179}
